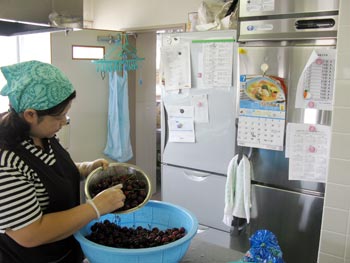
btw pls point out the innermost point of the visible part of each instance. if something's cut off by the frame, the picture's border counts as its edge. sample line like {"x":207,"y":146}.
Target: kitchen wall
{"x":88,"y":127}
{"x":335,"y":234}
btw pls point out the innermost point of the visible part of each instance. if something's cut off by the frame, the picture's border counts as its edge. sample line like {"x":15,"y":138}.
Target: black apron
{"x":62,"y":181}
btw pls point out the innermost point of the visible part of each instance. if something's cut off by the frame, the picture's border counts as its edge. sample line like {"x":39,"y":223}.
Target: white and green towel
{"x":237,"y":190}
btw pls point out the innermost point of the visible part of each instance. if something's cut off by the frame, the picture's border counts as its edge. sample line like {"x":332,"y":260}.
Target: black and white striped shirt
{"x":23,"y":197}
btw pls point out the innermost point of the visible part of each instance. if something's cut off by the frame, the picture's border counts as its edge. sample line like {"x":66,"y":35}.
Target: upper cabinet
{"x":33,"y":16}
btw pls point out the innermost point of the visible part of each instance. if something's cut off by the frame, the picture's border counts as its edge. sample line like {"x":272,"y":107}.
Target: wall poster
{"x":262,"y":112}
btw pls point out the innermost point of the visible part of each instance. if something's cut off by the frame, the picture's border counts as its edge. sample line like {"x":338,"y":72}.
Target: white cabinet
{"x":201,"y":193}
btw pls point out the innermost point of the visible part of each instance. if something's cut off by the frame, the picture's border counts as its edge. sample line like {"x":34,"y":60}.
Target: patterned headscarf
{"x":35,"y":85}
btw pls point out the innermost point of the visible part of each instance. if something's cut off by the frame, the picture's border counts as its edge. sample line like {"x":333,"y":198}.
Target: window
{"x":8,"y":55}
{"x":22,"y":48}
{"x":88,"y":52}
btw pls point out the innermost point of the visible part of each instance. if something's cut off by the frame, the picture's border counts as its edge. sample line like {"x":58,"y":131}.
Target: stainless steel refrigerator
{"x":193,"y":174}
{"x":283,"y":34}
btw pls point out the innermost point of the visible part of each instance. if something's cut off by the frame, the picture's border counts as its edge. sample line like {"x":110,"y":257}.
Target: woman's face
{"x":47,"y":126}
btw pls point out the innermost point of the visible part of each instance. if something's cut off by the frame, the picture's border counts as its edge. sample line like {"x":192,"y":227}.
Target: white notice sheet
{"x":201,"y":110}
{"x":176,"y":64}
{"x":316,"y":83}
{"x":181,"y":123}
{"x":215,"y":63}
{"x":308,"y":151}
{"x":260,"y":6}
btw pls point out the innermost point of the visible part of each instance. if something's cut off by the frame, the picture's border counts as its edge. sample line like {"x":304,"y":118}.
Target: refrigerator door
{"x":294,"y":218}
{"x":214,"y":144}
{"x":202,"y":193}
{"x":214,"y":141}
{"x":287,"y":62}
{"x":271,"y":168}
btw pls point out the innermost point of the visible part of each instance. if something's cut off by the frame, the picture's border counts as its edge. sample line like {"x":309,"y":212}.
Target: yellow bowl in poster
{"x":264,"y":89}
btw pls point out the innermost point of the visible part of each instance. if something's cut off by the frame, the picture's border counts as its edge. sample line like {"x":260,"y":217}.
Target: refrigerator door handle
{"x":164,"y":135}
{"x":196,"y":176}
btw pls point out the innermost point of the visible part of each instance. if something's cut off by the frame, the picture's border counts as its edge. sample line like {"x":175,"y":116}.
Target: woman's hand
{"x":97,"y":163}
{"x":109,"y":200}
{"x":85,"y":168}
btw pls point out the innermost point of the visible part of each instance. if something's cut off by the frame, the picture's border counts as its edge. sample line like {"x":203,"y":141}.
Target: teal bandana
{"x":35,"y":85}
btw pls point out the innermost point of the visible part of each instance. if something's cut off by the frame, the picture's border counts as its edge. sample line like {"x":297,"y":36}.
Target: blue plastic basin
{"x":154,"y":214}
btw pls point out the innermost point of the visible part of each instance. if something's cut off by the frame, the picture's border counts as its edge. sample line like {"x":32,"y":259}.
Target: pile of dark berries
{"x":135,"y":190}
{"x":110,"y":234}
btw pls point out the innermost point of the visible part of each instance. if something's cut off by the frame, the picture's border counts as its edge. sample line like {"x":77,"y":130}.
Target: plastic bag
{"x":208,"y":9}
{"x":264,"y":248}
{"x":217,"y":15}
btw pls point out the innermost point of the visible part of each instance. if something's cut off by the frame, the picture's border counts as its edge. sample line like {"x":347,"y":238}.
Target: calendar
{"x":262,"y":113}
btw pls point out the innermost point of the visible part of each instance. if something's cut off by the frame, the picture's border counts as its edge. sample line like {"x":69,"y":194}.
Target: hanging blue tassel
{"x":140,"y":75}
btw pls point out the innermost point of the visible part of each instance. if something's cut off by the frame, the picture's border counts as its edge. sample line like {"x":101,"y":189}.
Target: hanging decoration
{"x":125,"y":59}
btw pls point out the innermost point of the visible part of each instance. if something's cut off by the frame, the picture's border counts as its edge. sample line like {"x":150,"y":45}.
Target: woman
{"x":39,"y":182}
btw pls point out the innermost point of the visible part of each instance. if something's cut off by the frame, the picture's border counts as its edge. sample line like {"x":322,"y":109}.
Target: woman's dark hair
{"x":14,"y":129}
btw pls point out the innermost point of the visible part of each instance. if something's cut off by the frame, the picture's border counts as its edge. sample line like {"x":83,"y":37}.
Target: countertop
{"x":210,"y":246}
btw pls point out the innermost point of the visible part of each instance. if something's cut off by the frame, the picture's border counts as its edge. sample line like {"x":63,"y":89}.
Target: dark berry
{"x":110,"y":234}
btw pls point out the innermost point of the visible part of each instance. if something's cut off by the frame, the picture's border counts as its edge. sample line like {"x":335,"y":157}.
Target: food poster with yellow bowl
{"x":262,"y":112}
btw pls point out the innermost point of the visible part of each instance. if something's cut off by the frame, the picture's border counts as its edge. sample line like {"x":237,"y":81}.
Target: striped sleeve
{"x":22,"y":195}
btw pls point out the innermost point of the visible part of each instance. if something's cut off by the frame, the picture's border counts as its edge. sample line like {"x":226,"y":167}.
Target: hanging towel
{"x":118,"y":146}
{"x":237,"y":190}
{"x":230,"y":190}
{"x":242,"y":201}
